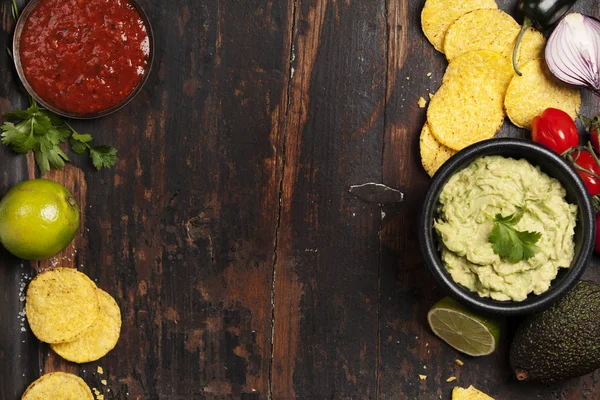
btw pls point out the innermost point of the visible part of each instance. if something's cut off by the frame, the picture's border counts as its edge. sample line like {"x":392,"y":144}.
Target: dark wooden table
{"x":243,"y":267}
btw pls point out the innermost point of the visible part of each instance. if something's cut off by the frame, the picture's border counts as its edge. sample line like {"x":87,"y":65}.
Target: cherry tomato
{"x":597,"y":242}
{"x":556,"y":130}
{"x":592,"y":125}
{"x":585,"y":160}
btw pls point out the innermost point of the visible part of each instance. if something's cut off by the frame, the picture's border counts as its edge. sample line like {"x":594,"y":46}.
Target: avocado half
{"x":561,"y":342}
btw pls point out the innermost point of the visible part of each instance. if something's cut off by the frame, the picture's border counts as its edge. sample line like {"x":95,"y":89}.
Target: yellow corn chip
{"x":433,"y":153}
{"x":532,"y":47}
{"x":493,"y":30}
{"x":99,"y":339}
{"x":529,"y":95}
{"x":58,"y":386}
{"x":438,"y":15}
{"x":468,"y":107}
{"x":61,"y":304}
{"x":470,"y":393}
{"x":489,"y":29}
{"x":469,"y":67}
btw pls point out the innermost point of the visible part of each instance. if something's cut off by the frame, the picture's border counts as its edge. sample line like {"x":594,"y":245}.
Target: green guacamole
{"x":498,"y":185}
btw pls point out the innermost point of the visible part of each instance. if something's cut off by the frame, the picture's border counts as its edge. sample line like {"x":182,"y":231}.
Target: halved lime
{"x":462,"y":329}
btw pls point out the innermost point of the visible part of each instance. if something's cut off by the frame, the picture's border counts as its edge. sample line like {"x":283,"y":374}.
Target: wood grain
{"x":184,"y":229}
{"x":243,"y":267}
{"x":327,"y":249}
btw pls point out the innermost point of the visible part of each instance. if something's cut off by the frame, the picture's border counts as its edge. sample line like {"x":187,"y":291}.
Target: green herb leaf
{"x":103,"y":156}
{"x":54,"y":119}
{"x":81,"y":137}
{"x":19,"y":137}
{"x":77,"y":146}
{"x":510,"y":244}
{"x":41,"y":160}
{"x":22,"y":114}
{"x":42,"y":132}
{"x":56,"y":157}
{"x":79,"y":142}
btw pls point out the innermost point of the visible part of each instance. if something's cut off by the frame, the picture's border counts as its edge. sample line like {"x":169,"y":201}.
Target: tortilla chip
{"x":61,"y":304}
{"x":99,"y":339}
{"x":433,"y":153}
{"x":470,"y":66}
{"x":58,"y":386}
{"x":492,"y":30}
{"x":438,"y":15}
{"x":469,"y":393}
{"x":468,"y":107}
{"x":477,"y":30}
{"x":532,"y":47}
{"x":529,"y":95}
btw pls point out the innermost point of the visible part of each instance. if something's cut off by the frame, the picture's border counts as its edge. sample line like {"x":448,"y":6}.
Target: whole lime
{"x":38,"y":219}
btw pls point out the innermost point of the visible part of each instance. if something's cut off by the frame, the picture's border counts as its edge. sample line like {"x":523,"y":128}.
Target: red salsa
{"x":84,"y":56}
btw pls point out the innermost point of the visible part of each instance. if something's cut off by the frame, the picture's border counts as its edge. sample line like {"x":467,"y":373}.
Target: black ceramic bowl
{"x":551,"y":164}
{"x":17,"y":59}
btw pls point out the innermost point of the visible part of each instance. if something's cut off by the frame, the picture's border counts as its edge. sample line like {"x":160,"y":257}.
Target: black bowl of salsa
{"x":83,"y":59}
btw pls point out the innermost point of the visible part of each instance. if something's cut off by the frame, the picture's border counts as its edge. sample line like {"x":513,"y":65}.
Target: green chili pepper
{"x":541,"y":14}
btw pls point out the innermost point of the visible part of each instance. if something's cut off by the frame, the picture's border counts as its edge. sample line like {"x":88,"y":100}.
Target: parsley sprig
{"x":43,"y":132}
{"x":509,"y":243}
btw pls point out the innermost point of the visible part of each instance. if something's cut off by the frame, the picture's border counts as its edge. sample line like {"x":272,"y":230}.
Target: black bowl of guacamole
{"x":549,"y":164}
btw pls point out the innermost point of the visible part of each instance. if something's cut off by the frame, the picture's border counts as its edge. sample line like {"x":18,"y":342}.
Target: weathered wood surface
{"x":243,"y":267}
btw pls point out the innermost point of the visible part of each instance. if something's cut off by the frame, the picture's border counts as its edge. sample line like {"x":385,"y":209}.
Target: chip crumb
{"x":100,"y":370}
{"x":452,"y":378}
{"x":98,"y":394}
{"x":424,"y":366}
{"x":103,"y":381}
{"x":408,"y":78}
{"x":422,"y":102}
{"x":426,"y":344}
{"x":422,"y":377}
{"x":429,"y":74}
{"x":430,"y":96}
{"x":459,"y":362}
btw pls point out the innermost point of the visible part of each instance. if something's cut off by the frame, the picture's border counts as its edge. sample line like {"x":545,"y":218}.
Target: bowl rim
{"x":431,"y":253}
{"x":21,"y":73}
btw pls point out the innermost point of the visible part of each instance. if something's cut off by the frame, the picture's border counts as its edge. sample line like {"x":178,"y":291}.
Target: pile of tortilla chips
{"x":65,"y":308}
{"x":480,"y":86}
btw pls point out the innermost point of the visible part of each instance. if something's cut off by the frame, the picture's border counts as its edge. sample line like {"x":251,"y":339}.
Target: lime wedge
{"x":460,"y":328}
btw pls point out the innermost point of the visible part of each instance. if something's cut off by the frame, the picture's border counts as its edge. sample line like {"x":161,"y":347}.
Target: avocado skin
{"x":561,"y":342}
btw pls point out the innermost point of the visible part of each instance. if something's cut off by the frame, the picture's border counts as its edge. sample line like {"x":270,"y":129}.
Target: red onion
{"x":573,"y":51}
